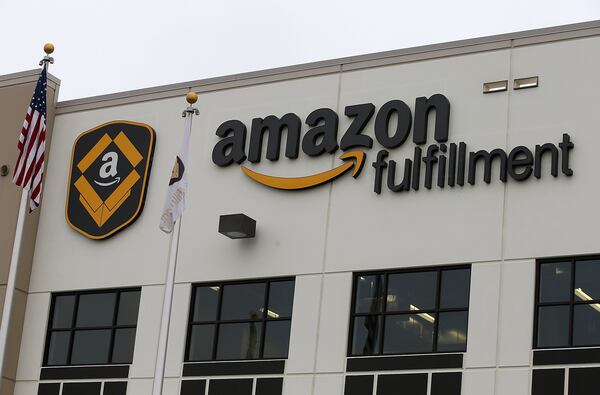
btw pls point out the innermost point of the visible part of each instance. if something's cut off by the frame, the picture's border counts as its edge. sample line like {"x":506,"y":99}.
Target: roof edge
{"x":430,"y":51}
{"x":24,"y":77}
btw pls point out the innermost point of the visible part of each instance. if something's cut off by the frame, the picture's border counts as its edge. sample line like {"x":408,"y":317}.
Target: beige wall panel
{"x":148,"y":327}
{"x":298,"y":384}
{"x":556,"y":216}
{"x":333,"y":323}
{"x":305,"y":318}
{"x":329,"y":384}
{"x":515,"y":332}
{"x":26,"y":388}
{"x":484,"y":303}
{"x":34,"y":337}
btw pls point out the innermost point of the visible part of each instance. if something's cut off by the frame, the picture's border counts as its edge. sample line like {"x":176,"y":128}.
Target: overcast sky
{"x":109,"y":46}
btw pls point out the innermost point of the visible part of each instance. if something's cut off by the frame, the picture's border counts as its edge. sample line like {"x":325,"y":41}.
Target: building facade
{"x":438,"y":237}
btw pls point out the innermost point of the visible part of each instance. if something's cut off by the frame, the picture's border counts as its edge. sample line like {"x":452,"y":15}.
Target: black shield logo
{"x":110,"y":167}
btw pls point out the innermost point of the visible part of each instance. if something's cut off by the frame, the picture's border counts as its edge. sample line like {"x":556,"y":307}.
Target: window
{"x":234,"y":321}
{"x":90,"y":328}
{"x":408,"y":312}
{"x":568,"y":303}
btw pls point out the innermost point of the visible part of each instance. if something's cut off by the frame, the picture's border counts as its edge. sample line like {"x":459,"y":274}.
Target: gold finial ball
{"x":191,"y":97}
{"x":48,"y":48}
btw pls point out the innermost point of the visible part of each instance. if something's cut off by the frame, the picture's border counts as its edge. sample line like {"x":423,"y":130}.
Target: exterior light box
{"x":237,"y":226}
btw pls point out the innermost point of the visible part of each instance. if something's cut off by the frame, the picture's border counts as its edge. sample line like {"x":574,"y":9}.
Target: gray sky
{"x":115,"y":45}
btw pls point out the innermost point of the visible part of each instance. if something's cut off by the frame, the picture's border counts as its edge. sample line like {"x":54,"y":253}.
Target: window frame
{"x":572,"y":260}
{"x":73,"y":328}
{"x":218,"y":321}
{"x":384,"y":313}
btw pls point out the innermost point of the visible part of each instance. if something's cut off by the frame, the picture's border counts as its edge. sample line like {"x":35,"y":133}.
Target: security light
{"x":237,"y":226}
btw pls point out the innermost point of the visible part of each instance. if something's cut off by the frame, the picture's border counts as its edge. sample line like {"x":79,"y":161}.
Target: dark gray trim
{"x":501,"y":41}
{"x":195,"y":369}
{"x":566,"y":356}
{"x":405,"y":362}
{"x":85,"y":372}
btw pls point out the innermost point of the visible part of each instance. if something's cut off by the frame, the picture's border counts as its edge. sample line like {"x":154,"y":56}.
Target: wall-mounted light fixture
{"x":237,"y":226}
{"x":496,"y":86}
{"x":524,"y":83}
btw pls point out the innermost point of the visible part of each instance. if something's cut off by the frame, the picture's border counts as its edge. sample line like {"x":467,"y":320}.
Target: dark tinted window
{"x":243,"y":302}
{"x":277,"y":338}
{"x":456,"y":285}
{"x":92,"y":328}
{"x":91,"y":347}
{"x":206,"y":303}
{"x":369,"y":294}
{"x":58,"y":348}
{"x":548,"y":382}
{"x":452,"y":331}
{"x":281,"y":299}
{"x":412,"y":291}
{"x":238,"y":321}
{"x":568,"y":303}
{"x":586,"y":325}
{"x":96,"y":310}
{"x":201,"y":342}
{"x":63,"y":311}
{"x":407,"y":312}
{"x":583,"y":381}
{"x":587,"y":284}
{"x":365,"y":340}
{"x":129,"y":303}
{"x":239,"y":341}
{"x":408,"y":333}
{"x":555,"y":282}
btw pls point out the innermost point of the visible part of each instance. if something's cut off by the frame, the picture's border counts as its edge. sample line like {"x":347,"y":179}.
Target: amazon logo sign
{"x":394,"y":121}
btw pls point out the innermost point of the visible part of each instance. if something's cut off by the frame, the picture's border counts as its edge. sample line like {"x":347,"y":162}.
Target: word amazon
{"x":452,"y":163}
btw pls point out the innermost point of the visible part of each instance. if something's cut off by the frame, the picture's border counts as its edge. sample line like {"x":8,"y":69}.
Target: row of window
{"x":393,"y":312}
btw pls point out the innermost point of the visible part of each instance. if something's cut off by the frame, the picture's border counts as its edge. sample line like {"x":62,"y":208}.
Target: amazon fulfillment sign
{"x":455,"y":163}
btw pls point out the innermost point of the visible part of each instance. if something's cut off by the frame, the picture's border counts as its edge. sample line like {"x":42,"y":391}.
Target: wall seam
{"x":503,"y":229}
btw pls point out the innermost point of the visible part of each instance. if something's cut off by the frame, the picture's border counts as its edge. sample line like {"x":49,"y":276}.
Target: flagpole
{"x":161,"y":356}
{"x":16,"y":253}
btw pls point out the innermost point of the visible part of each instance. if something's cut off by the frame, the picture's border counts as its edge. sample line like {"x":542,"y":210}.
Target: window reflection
{"x":586,"y":325}
{"x":452,"y":331}
{"x":239,"y":341}
{"x":366,"y":335}
{"x":408,"y":333}
{"x":587,"y":280}
{"x":568,"y":303}
{"x":412,"y":289}
{"x":555,"y":282}
{"x":238,"y":321}
{"x":243,"y":301}
{"x":92,"y":328}
{"x":398,"y":312}
{"x":553,"y":326}
{"x":369,"y":290}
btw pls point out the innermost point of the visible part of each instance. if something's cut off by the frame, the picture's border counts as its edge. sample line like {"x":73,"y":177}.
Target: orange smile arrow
{"x":354,"y":159}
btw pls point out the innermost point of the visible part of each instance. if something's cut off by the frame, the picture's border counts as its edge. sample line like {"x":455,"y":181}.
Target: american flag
{"x":29,"y":169}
